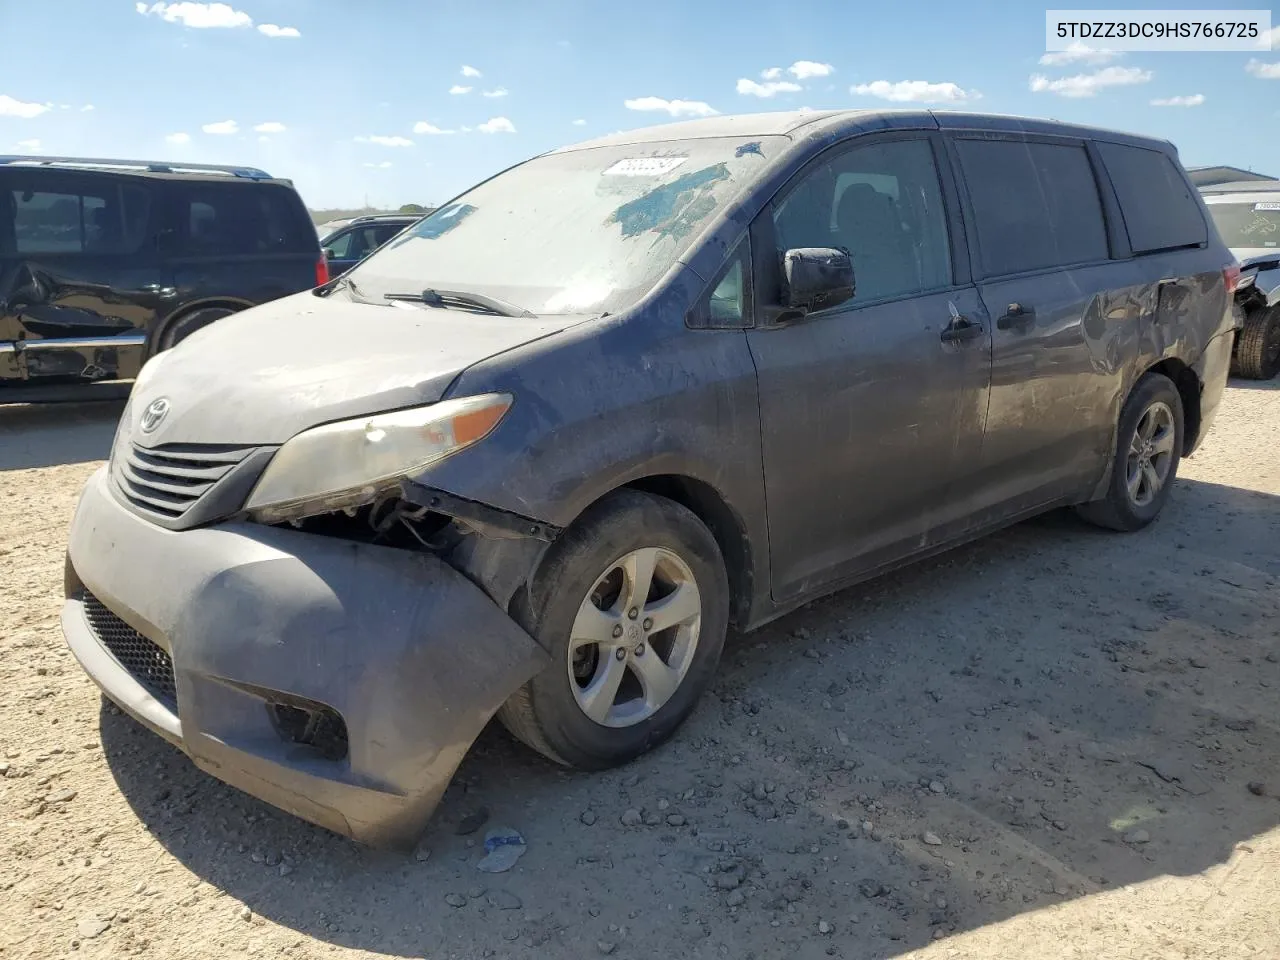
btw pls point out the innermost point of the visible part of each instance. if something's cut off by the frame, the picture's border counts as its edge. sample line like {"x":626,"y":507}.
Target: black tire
{"x":1119,"y":509}
{"x":1257,"y":350}
{"x":179,"y":329}
{"x":545,"y":713}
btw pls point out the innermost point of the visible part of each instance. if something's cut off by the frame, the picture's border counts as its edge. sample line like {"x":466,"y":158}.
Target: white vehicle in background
{"x":1247,"y":214}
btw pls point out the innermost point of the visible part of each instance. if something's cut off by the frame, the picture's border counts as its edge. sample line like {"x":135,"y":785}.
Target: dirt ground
{"x":1053,"y":743}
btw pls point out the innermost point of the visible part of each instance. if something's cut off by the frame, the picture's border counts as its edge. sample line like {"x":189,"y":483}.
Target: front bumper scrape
{"x":413,"y":657}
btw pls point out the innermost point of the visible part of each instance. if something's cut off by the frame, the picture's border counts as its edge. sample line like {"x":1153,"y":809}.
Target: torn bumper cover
{"x":339,"y":681}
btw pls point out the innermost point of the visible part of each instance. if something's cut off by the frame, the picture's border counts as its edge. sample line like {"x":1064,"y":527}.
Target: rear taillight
{"x":1231,"y":277}
{"x":322,"y":271}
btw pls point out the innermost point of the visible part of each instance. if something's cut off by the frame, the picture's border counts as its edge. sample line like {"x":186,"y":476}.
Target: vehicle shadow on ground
{"x":50,"y":435}
{"x":1241,"y":384}
{"x":1046,"y":714}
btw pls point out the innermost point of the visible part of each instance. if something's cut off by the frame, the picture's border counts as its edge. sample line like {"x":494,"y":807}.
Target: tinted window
{"x":69,"y":215}
{"x":883,"y":204}
{"x":235,"y":218}
{"x":1036,"y":204}
{"x":1252,"y":224}
{"x":341,"y":244}
{"x":1158,"y":207}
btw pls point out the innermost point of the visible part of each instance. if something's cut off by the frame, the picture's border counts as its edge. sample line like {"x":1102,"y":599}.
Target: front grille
{"x":169,"y":479}
{"x":146,"y":662}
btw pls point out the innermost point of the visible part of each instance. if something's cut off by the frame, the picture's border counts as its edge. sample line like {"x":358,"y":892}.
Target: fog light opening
{"x":311,"y":725}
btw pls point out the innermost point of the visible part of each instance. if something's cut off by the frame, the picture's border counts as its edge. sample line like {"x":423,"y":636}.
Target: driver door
{"x":869,"y":410}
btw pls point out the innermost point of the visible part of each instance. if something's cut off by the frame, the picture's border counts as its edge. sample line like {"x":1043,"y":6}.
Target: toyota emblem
{"x":155,"y":412}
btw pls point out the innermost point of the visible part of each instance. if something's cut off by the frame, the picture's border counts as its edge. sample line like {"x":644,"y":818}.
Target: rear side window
{"x":54,"y":215}
{"x":235,"y":219}
{"x":1159,"y":210}
{"x":1036,"y":204}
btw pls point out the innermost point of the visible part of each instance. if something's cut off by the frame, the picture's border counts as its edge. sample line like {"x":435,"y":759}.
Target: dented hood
{"x":261,"y":376}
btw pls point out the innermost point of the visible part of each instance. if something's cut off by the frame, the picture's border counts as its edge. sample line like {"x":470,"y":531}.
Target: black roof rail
{"x":147,"y":166}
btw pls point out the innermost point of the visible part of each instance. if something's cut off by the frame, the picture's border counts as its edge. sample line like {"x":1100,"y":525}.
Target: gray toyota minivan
{"x":536,"y":456}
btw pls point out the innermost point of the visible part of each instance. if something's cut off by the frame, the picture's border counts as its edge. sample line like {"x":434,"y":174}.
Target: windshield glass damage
{"x":582,"y":231}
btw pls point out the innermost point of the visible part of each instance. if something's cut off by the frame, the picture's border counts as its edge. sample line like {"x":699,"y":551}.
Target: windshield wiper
{"x":475,"y":302}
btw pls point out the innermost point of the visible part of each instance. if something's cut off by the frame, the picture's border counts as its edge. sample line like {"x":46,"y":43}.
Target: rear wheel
{"x":178,"y":330}
{"x":1257,"y":352}
{"x":633,"y":604}
{"x":1148,"y":448}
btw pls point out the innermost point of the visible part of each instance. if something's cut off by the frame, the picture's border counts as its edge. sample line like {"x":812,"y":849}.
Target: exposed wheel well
{"x":710,"y":507}
{"x":1189,"y":387}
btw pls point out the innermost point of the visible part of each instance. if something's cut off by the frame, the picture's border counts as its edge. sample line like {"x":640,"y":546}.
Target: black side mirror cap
{"x":816,"y":278}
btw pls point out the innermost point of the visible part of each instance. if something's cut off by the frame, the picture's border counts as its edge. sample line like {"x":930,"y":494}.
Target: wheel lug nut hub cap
{"x":621,"y":654}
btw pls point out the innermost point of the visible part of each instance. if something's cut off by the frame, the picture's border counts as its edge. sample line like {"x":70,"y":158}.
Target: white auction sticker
{"x":644,"y":166}
{"x":1267,"y":205}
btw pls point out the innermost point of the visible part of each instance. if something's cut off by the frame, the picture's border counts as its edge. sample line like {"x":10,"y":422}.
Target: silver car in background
{"x":1247,"y":214}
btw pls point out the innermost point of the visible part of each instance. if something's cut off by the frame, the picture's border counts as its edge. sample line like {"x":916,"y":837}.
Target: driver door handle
{"x":961,"y":329}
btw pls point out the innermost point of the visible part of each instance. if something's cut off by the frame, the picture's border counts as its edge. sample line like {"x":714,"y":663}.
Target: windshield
{"x":1252,"y":224}
{"x":582,"y":231}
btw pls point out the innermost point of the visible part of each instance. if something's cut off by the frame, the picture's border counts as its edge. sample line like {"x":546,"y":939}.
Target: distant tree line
{"x":324,"y":216}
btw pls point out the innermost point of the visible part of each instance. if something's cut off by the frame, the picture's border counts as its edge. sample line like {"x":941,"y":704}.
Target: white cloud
{"x":579,"y":123}
{"x":1263,"y":71}
{"x":497,"y":92}
{"x":458,"y":88}
{"x":497,"y":125}
{"x":10,"y":107}
{"x":1077,"y":52}
{"x":1270,"y":40}
{"x":470,"y":71}
{"x":1192,"y":101}
{"x":379,"y":166}
{"x":805,"y":69}
{"x":275,"y":32}
{"x":222,"y":128}
{"x":197,"y":15}
{"x":178,"y":138}
{"x":1090,"y":84}
{"x":768,"y":88}
{"x":915,"y":91}
{"x":271,"y":126}
{"x":464,"y":129}
{"x":386,"y":141}
{"x":29,"y":146}
{"x":428,"y":128}
{"x":771,"y":73}
{"x":86,"y":108}
{"x":677,"y":108}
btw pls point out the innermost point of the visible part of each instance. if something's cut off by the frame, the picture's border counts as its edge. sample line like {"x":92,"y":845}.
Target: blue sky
{"x":346,"y":96}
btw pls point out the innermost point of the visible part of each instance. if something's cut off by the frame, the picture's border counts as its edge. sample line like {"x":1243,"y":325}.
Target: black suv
{"x":347,"y":242}
{"x":106,"y":262}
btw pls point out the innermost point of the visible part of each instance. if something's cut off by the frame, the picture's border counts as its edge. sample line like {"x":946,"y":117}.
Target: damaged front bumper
{"x":340,"y":681}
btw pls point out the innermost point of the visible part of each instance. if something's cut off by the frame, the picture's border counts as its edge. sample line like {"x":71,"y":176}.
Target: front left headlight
{"x":348,"y":463}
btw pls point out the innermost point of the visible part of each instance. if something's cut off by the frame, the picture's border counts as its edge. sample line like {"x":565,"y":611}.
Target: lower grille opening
{"x":311,"y":724}
{"x":147,"y":663}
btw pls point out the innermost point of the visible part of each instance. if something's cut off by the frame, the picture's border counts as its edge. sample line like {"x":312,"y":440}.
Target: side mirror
{"x":815,"y":278}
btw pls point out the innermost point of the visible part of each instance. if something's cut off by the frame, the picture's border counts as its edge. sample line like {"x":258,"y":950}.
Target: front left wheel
{"x":633,"y":604}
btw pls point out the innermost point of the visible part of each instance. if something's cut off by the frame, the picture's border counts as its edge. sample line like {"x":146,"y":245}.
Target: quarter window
{"x":1159,"y":210}
{"x":883,"y":204}
{"x":240,"y":219}
{"x":1036,"y":204}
